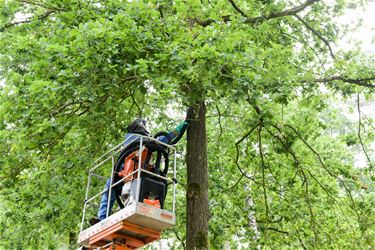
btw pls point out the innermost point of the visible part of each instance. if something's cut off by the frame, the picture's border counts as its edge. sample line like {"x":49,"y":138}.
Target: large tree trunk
{"x":197,"y":180}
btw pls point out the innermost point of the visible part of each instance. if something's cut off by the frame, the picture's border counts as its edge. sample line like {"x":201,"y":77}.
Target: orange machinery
{"x":138,"y":223}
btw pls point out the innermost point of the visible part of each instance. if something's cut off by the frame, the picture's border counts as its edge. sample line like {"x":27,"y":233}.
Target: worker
{"x":135,"y":128}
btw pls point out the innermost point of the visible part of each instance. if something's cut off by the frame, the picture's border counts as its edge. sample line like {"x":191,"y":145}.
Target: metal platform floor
{"x":131,"y":227}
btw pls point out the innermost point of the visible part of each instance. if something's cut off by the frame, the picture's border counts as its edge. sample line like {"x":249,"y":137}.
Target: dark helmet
{"x":138,"y":126}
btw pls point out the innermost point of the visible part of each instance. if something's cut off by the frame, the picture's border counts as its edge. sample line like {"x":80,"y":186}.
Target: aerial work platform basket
{"x":138,"y":223}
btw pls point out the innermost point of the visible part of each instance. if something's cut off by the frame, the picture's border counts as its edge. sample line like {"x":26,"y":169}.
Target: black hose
{"x":125,"y":153}
{"x":152,"y":146}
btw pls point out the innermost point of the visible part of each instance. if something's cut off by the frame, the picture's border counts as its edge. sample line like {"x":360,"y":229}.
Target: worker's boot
{"x":93,"y":221}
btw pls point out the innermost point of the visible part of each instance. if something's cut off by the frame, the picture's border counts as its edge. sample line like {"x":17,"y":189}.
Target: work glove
{"x":179,"y":126}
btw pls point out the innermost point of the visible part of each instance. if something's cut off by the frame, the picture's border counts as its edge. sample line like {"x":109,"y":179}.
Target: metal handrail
{"x":119,"y":145}
{"x":114,"y":151}
{"x":124,"y":141}
{"x":113,"y":185}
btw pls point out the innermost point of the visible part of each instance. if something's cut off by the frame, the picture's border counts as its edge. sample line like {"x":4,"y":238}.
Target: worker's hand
{"x":179,"y":126}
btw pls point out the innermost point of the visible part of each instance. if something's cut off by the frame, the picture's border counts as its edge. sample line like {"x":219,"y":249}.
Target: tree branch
{"x":62,"y":107}
{"x":286,"y":147}
{"x":301,"y":241}
{"x":28,"y":20}
{"x":352,"y":200}
{"x":324,"y":166}
{"x":312,"y":149}
{"x":277,"y":230}
{"x":41,"y":5}
{"x":315,"y":32}
{"x":364,"y":82}
{"x":288,"y":12}
{"x":182,"y":241}
{"x":306,"y":43}
{"x":259,"y":19}
{"x":297,"y":164}
{"x":328,"y":192}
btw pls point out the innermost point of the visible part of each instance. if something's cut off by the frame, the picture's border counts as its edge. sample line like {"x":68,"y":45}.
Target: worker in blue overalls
{"x":135,"y":128}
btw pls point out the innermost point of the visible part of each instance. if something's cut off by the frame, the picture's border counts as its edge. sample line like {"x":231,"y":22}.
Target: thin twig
{"x":368,"y":120}
{"x":136,"y":104}
{"x":235,"y":184}
{"x":308,"y":201}
{"x":359,"y":132}
{"x":238,"y":152}
{"x":179,"y":239}
{"x":237,"y":8}
{"x":219,"y":120}
{"x":263,"y":167}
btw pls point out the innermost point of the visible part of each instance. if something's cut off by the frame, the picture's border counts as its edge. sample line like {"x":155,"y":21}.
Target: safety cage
{"x":138,"y":222}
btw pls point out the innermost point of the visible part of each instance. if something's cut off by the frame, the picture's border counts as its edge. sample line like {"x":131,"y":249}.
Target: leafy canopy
{"x":281,"y":162}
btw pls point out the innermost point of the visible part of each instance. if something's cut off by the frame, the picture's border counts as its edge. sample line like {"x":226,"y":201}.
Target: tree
{"x":197,"y":180}
{"x":77,"y":73}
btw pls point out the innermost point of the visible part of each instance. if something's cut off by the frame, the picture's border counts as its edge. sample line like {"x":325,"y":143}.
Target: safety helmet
{"x":138,"y":126}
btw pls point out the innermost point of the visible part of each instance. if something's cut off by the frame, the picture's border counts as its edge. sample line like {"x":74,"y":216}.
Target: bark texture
{"x":197,"y":180}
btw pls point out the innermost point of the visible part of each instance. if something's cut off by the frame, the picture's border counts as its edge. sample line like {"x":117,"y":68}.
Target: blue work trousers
{"x":102,"y":214}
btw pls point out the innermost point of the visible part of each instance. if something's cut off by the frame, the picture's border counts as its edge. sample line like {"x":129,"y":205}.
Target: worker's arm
{"x":175,"y":133}
{"x":179,"y":128}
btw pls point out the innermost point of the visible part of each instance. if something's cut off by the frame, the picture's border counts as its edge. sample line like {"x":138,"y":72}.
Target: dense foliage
{"x":281,"y":158}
